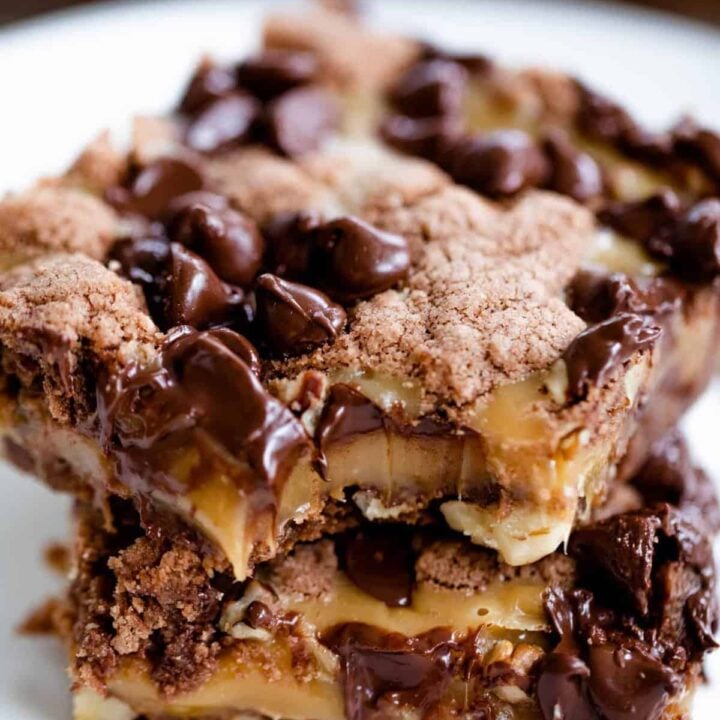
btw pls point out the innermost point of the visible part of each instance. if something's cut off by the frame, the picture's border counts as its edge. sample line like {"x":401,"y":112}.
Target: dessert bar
{"x":390,"y":621}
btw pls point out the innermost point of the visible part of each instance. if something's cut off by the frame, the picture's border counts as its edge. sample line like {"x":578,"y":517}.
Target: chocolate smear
{"x":293,"y":318}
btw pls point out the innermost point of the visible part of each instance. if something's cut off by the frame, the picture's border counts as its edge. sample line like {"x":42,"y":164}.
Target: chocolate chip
{"x":195,"y":295}
{"x":595,"y":296}
{"x":497,"y":164}
{"x":424,"y":137}
{"x":152,"y":188}
{"x":274,"y":72}
{"x":695,"y":246}
{"x":356,"y":260}
{"x":430,"y":88}
{"x":472,"y":62}
{"x":596,"y":352}
{"x":289,"y":243}
{"x":602,"y":118}
{"x":145,"y":261}
{"x":381,"y":563}
{"x":699,"y":145}
{"x":227,"y":239}
{"x":572,"y":172}
{"x":652,"y":219}
{"x":299,"y":120}
{"x":294,"y":318}
{"x":224,"y":122}
{"x":209,"y":83}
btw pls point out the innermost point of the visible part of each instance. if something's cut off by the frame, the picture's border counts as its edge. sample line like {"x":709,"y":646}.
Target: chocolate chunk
{"x":197,"y":386}
{"x":209,"y":83}
{"x":627,"y":683}
{"x":595,"y":353}
{"x":561,"y":688}
{"x":699,"y":145}
{"x":289,"y":243}
{"x":381,"y":562}
{"x":424,"y":137}
{"x":669,"y":476}
{"x":151,"y":189}
{"x":572,"y":172}
{"x":497,"y":164}
{"x":695,"y":246}
{"x":274,"y":72}
{"x":299,"y":120}
{"x":388,"y":667}
{"x":650,"y":220}
{"x":430,"y":88}
{"x":617,"y":555}
{"x":228,"y":240}
{"x":195,"y":295}
{"x":355,"y":260}
{"x":224,"y":122}
{"x":293,"y":318}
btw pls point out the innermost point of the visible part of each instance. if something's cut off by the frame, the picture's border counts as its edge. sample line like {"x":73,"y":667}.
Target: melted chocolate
{"x":695,"y":250}
{"x":653,"y":218}
{"x":498,"y":163}
{"x":289,"y":244}
{"x":347,"y":413}
{"x":149,"y":190}
{"x":222,"y":123}
{"x":430,"y":88}
{"x":596,"y":352}
{"x":200,"y":387}
{"x":299,"y":120}
{"x":381,"y":669}
{"x":274,"y":72}
{"x":380,"y":560}
{"x":228,"y":240}
{"x":293,"y":318}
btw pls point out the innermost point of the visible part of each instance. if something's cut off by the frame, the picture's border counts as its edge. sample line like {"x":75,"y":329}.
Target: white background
{"x":65,"y":76}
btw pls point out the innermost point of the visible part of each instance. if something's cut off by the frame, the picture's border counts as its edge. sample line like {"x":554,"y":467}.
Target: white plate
{"x":64,"y":77}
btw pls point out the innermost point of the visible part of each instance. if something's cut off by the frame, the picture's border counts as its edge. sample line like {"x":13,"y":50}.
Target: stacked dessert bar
{"x":363,"y":367}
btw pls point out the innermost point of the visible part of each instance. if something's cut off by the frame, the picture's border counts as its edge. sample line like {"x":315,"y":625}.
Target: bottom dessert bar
{"x":386,"y":621}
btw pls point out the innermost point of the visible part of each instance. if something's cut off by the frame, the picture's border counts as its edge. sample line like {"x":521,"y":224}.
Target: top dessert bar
{"x":355,"y":275}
